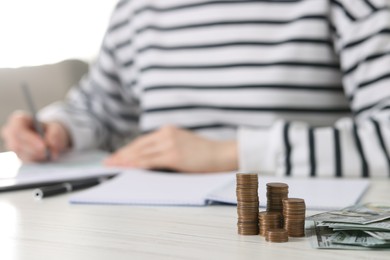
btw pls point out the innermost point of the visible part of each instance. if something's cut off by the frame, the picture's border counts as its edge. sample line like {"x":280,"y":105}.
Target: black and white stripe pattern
{"x":311,"y":76}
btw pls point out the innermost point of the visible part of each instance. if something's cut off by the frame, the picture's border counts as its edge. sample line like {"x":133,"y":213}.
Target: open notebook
{"x":140,"y":187}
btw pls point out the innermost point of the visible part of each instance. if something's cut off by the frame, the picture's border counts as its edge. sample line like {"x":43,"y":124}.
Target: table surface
{"x":54,"y":229}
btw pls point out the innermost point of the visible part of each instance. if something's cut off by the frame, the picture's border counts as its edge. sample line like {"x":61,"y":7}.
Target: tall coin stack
{"x":294,"y":217}
{"x":269,"y":220}
{"x":276,"y":192}
{"x":247,"y":204}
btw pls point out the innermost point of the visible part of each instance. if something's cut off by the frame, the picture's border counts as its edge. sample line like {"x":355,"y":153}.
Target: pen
{"x":37,"y":125}
{"x":68,"y":186}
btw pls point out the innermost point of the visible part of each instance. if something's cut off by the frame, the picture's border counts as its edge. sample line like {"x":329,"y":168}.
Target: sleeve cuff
{"x":82,"y":138}
{"x":259,"y":149}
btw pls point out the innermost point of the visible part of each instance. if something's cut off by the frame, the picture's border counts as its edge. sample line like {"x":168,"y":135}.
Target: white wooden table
{"x":54,"y":229}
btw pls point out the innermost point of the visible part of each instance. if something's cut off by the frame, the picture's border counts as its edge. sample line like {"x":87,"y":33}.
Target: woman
{"x":295,"y":87}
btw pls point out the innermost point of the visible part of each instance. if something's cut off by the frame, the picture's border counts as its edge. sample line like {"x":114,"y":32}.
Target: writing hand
{"x":19,"y":136}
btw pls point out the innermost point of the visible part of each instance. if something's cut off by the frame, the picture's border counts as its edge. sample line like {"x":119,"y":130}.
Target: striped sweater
{"x":302,"y":85}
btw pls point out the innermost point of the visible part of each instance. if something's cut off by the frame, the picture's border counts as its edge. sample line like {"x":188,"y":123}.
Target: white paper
{"x":138,"y":187}
{"x":141,"y":187}
{"x":69,"y":166}
{"x":319,"y":194}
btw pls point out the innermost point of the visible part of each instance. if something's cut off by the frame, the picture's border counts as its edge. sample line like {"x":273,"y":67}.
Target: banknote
{"x":379,"y":235}
{"x":322,"y":237}
{"x":358,"y":238}
{"x":331,"y":217}
{"x":376,"y":226}
{"x":364,"y":209}
{"x":359,"y":214}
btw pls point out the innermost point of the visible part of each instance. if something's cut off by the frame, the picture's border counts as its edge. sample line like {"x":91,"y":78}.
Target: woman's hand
{"x":19,"y":136}
{"x":176,"y":149}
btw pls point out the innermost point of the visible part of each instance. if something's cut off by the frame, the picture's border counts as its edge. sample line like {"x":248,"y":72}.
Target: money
{"x":269,"y":220}
{"x":349,"y":217}
{"x":276,"y":192}
{"x":376,"y":226}
{"x":358,"y":227}
{"x":294,"y":216}
{"x":379,"y":235}
{"x":358,"y":238}
{"x":278,"y":235}
{"x":366,"y":209}
{"x":321,"y":238}
{"x":247,"y":204}
{"x":284,"y":216}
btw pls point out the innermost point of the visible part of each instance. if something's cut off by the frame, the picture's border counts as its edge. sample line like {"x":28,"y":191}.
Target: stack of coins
{"x":294,"y":216}
{"x":269,"y":220}
{"x":247,"y":204}
{"x":278,"y":235}
{"x":276,"y":192}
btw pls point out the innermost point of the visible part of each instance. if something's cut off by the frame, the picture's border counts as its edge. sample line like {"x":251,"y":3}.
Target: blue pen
{"x":37,"y":125}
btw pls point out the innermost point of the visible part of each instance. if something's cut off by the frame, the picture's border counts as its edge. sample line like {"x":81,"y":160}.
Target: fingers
{"x":56,"y":139}
{"x":157,"y":161}
{"x":20,"y":138}
{"x":129,"y":155}
{"x":149,"y":157}
{"x":143,"y":149}
{"x":177,"y":149}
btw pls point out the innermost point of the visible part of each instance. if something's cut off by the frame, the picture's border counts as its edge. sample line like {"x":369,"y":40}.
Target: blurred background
{"x":48,"y":44}
{"x":45,"y":31}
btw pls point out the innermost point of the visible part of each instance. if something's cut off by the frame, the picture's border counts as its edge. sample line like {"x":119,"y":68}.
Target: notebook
{"x":71,"y":166}
{"x":141,"y":187}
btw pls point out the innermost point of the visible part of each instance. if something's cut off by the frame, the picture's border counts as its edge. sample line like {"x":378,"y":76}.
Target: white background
{"x":35,"y":32}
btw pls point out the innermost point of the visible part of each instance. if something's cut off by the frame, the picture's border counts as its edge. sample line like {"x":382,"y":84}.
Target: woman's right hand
{"x":20,"y":137}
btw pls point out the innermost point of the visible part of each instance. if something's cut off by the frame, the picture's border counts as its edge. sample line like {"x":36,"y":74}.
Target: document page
{"x":134,"y":187}
{"x":319,"y":194}
{"x":161,"y":188}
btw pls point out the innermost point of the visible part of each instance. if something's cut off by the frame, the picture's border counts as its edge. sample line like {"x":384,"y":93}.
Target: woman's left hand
{"x":172,"y":148}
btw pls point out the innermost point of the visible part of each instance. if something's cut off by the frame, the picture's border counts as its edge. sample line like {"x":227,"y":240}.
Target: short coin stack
{"x":278,"y":235}
{"x":247,"y":204}
{"x":269,"y":220}
{"x":276,"y":192}
{"x":294,"y":216}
